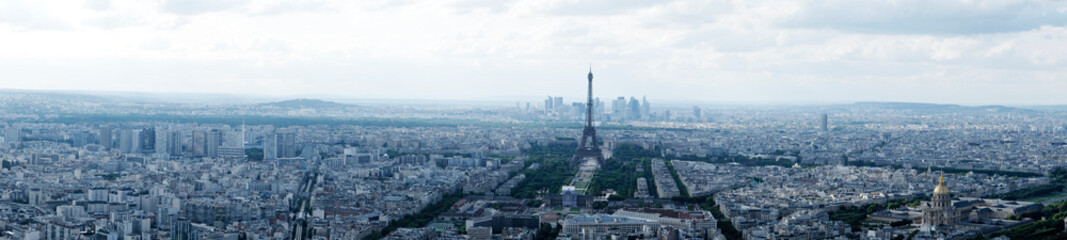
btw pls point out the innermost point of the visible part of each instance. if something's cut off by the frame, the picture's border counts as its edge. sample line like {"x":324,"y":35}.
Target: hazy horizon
{"x":236,"y":98}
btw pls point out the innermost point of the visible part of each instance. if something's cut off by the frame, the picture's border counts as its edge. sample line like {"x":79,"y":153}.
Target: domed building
{"x":940,"y":211}
{"x":949,"y":216}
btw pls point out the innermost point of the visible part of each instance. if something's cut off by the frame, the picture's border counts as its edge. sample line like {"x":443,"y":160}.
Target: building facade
{"x":940,"y":211}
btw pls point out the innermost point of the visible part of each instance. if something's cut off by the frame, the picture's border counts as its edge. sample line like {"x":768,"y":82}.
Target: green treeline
{"x":677,"y":181}
{"x":420,"y":219}
{"x":254,"y":154}
{"x":649,"y":179}
{"x":743,"y":160}
{"x":1051,"y":227}
{"x":620,"y":172}
{"x":947,"y":170}
{"x":1057,"y":182}
{"x":1048,"y":222}
{"x":555,"y":170}
{"x":1036,"y":191}
{"x":547,"y":232}
{"x":854,"y":215}
{"x":708,"y":203}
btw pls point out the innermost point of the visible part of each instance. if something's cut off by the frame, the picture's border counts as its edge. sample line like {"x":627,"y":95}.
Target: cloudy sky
{"x":793,"y":51}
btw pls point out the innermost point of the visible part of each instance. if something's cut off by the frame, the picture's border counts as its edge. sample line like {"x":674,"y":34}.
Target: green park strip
{"x":948,"y":170}
{"x":620,"y":172}
{"x":739,"y":159}
{"x":855,"y":215}
{"x":554,"y":170}
{"x":1049,"y":222}
{"x":677,"y":180}
{"x":1059,"y":195}
{"x":1048,"y":225}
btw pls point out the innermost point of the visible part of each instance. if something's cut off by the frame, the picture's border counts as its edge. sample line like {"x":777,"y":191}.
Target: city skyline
{"x":723,"y":52}
{"x":480,"y":120}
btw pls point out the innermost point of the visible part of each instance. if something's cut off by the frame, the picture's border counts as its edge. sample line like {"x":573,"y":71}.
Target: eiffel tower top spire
{"x":589,"y":102}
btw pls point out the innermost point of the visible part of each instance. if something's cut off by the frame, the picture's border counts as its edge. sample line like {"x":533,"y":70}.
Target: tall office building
{"x":553,"y":103}
{"x":129,"y":140}
{"x":104,"y":137}
{"x":618,"y":108}
{"x":182,"y":229}
{"x":646,"y":109}
{"x":279,"y":145}
{"x":634,"y":109}
{"x":823,"y":122}
{"x":148,"y":139}
{"x":125,"y":139}
{"x":696,"y":112}
{"x":270,"y":147}
{"x":173,"y":143}
{"x":287,"y":145}
{"x":212,"y":143}
{"x":199,"y":143}
{"x":578,"y":108}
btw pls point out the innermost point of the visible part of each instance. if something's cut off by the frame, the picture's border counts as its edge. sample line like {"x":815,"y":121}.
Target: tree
{"x":900,"y":223}
{"x":254,"y":154}
{"x":546,"y":231}
{"x":553,"y":172}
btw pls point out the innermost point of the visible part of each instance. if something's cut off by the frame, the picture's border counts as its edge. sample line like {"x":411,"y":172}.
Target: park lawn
{"x":1046,"y":197}
{"x":582,"y":185}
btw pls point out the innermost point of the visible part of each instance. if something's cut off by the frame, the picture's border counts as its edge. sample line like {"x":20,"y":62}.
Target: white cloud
{"x":193,"y":7}
{"x":928,"y":17}
{"x":98,"y":5}
{"x":733,"y":51}
{"x":23,"y":16}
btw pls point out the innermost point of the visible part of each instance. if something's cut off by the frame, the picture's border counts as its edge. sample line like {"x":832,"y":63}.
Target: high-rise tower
{"x":823,"y":123}
{"x":589,"y":147}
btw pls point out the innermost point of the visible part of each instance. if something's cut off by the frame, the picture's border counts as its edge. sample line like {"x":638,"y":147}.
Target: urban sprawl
{"x":77,"y":166}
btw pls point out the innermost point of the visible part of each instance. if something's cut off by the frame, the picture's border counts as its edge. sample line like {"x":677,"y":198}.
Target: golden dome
{"x":941,"y":188}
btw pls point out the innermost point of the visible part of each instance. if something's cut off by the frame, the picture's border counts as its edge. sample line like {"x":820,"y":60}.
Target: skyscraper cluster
{"x":130,"y":140}
{"x":553,"y":103}
{"x":622,"y":109}
{"x":279,"y":145}
{"x":632,"y":110}
{"x":195,"y":143}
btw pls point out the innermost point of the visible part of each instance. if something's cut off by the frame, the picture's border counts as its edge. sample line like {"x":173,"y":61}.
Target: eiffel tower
{"x":589,"y":147}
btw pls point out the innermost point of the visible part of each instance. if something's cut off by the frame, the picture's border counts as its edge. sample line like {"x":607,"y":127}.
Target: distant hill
{"x":931,"y":107}
{"x":306,"y":103}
